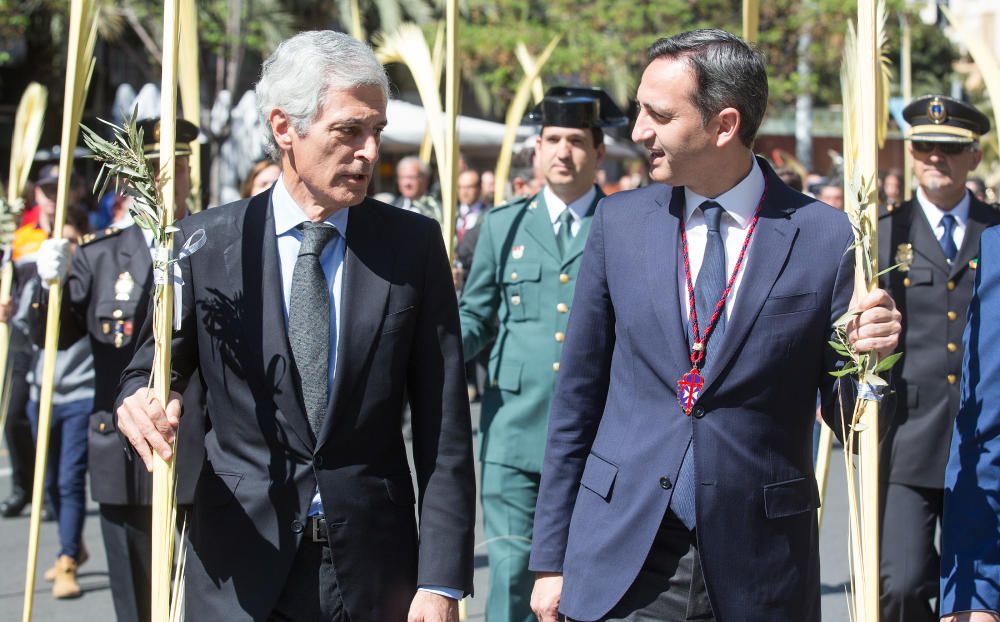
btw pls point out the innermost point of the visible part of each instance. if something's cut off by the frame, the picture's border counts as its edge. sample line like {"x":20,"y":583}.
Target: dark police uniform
{"x":519,"y":290}
{"x":933,"y":295}
{"x":106,"y":296}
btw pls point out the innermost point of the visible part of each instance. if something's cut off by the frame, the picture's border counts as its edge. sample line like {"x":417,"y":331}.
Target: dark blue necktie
{"x":707,"y":291}
{"x":947,"y":240}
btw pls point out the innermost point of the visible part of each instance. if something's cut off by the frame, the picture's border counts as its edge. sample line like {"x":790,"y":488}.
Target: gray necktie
{"x":309,"y":321}
{"x":565,"y":235}
{"x":707,"y":291}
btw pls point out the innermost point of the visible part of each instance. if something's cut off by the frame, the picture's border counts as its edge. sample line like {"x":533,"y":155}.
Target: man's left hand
{"x":878,"y":326}
{"x":430,"y":607}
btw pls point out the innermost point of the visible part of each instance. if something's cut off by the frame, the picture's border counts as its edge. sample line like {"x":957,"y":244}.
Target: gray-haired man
{"x":309,"y":314}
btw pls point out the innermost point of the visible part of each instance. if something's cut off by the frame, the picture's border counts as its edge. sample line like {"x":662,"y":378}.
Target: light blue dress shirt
{"x":287,"y":217}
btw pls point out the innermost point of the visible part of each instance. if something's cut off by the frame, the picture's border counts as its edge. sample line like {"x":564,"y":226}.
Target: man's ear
{"x":729,"y":123}
{"x":281,"y":129}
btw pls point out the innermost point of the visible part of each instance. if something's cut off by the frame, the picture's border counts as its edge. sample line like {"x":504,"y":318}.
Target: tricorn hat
{"x":578,"y":107}
{"x":186,"y":132}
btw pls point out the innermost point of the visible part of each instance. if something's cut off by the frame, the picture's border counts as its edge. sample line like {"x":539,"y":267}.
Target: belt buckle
{"x":317,"y":529}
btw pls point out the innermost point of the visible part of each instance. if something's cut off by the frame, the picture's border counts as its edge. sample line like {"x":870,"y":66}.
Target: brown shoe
{"x":50,"y":574}
{"x":65,"y":585}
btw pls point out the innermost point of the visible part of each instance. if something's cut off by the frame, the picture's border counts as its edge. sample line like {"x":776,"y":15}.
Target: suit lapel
{"x":773,"y":241}
{"x":363,"y":298}
{"x":974,"y":227}
{"x":539,"y":226}
{"x":579,"y":241}
{"x":252,"y":258}
{"x":662,"y":248}
{"x":925,"y":242}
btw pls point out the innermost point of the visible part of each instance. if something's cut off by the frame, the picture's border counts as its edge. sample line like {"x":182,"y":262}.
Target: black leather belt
{"x":316,"y":529}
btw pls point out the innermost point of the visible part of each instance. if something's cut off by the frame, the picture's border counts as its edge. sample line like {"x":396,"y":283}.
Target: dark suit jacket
{"x":399,"y":335}
{"x":617,"y":434}
{"x":970,"y":533}
{"x":92,"y":308}
{"x":934,"y":298}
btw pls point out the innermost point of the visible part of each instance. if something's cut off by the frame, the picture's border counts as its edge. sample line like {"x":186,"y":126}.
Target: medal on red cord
{"x":690,"y":385}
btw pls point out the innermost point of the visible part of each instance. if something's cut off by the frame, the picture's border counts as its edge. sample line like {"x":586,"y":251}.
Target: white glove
{"x":52,"y":261}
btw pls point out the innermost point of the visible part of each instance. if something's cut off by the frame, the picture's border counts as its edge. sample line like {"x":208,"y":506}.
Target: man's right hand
{"x":545,"y":596}
{"x":52,"y":261}
{"x":148,"y":426}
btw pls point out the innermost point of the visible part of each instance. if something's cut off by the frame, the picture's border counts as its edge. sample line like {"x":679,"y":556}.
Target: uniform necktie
{"x":707,"y":291}
{"x":309,"y":322}
{"x":565,"y":234}
{"x":947,"y":239}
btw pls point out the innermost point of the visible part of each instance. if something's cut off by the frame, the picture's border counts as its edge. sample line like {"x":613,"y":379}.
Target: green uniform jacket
{"x":519,"y":291}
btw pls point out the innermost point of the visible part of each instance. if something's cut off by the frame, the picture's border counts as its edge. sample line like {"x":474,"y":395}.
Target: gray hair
{"x":301,"y":72}
{"x":728,"y":71}
{"x":422,"y":167}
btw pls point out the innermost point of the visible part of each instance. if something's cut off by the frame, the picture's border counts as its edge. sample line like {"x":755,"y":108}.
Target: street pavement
{"x":95,"y":603}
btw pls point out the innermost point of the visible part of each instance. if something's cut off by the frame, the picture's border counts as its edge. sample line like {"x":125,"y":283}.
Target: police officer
{"x":106,"y":297}
{"x":519,"y":290}
{"x":934,"y":238}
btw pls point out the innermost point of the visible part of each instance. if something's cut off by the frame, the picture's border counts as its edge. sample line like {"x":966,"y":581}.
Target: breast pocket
{"x":919,"y":276}
{"x":784,"y":304}
{"x":116,"y":322}
{"x":521,"y":287}
{"x":397,"y":320}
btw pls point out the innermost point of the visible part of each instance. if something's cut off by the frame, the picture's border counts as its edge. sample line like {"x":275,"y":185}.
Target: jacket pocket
{"x":221,"y":486}
{"x":102,"y":422}
{"x":522,"y":290}
{"x":509,"y":376}
{"x":920,"y":276}
{"x":599,"y":476}
{"x":793,"y":303}
{"x":395,"y":321}
{"x":791,"y":497}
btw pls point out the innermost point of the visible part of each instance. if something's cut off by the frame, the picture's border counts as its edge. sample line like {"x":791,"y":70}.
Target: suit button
{"x":555,"y":366}
{"x":906,"y":282}
{"x":515,"y":300}
{"x":952,"y":316}
{"x":564,"y":278}
{"x":297,"y":526}
{"x":560,"y":336}
{"x":117,"y":313}
{"x":513,"y":276}
{"x":562,"y":308}
{"x":951,"y":285}
{"x":952,"y":347}
{"x":665,"y":483}
{"x":952,"y":378}
{"x":102,"y":426}
{"x":318,"y":461}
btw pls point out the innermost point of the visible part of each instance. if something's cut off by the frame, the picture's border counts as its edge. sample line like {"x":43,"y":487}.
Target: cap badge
{"x":936,"y":110}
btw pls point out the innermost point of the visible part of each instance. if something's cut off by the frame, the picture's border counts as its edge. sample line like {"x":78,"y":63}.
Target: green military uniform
{"x":519,"y":291}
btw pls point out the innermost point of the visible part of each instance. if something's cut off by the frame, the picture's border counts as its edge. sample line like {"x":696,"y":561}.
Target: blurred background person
{"x":261,"y":177}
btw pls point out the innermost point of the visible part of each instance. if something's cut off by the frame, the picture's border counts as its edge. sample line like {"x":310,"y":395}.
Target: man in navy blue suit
{"x":710,"y":294}
{"x":970,"y":536}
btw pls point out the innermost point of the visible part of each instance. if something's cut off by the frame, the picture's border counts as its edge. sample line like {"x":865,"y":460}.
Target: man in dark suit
{"x":309,"y":314}
{"x":645,"y":513}
{"x":106,"y":298}
{"x":970,"y":529}
{"x":934,"y":237}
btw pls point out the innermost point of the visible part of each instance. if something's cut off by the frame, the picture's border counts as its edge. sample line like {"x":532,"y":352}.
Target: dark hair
{"x":728,"y":71}
{"x":790,"y":177}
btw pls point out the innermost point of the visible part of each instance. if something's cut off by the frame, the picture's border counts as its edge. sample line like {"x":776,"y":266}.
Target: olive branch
{"x":10,"y":211}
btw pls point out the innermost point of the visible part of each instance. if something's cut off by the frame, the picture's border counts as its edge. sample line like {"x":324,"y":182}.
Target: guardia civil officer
{"x":106,"y":297}
{"x":519,"y":290}
{"x":934,"y":238}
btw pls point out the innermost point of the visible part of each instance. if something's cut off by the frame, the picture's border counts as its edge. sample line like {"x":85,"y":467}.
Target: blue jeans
{"x":66,"y":475}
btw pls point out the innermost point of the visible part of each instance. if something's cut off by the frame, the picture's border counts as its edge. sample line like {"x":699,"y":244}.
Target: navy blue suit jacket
{"x":617,"y":433}
{"x":970,"y":555}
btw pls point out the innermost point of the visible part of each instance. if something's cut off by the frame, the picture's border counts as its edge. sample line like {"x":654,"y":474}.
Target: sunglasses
{"x":924,"y":146}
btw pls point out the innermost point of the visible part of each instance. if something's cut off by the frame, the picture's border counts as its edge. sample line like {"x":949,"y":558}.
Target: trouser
{"x":508,"y":497}
{"x":910,"y":561}
{"x":66,"y":469}
{"x":670,"y":586}
{"x":311,"y":592}
{"x":128,"y":543}
{"x":20,"y":442}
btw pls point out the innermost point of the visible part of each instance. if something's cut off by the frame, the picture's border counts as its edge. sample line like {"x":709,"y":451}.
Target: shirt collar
{"x":935,"y":213}
{"x":740,"y":201}
{"x":288,"y":215}
{"x":578,"y":208}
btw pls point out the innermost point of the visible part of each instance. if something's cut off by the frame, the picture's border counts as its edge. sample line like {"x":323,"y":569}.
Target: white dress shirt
{"x":739,"y":204}
{"x":577,"y":208}
{"x":934,"y":214}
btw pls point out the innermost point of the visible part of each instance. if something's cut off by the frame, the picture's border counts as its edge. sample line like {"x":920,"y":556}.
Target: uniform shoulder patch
{"x":515,"y":202}
{"x":887,"y":209}
{"x":96,"y":236}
